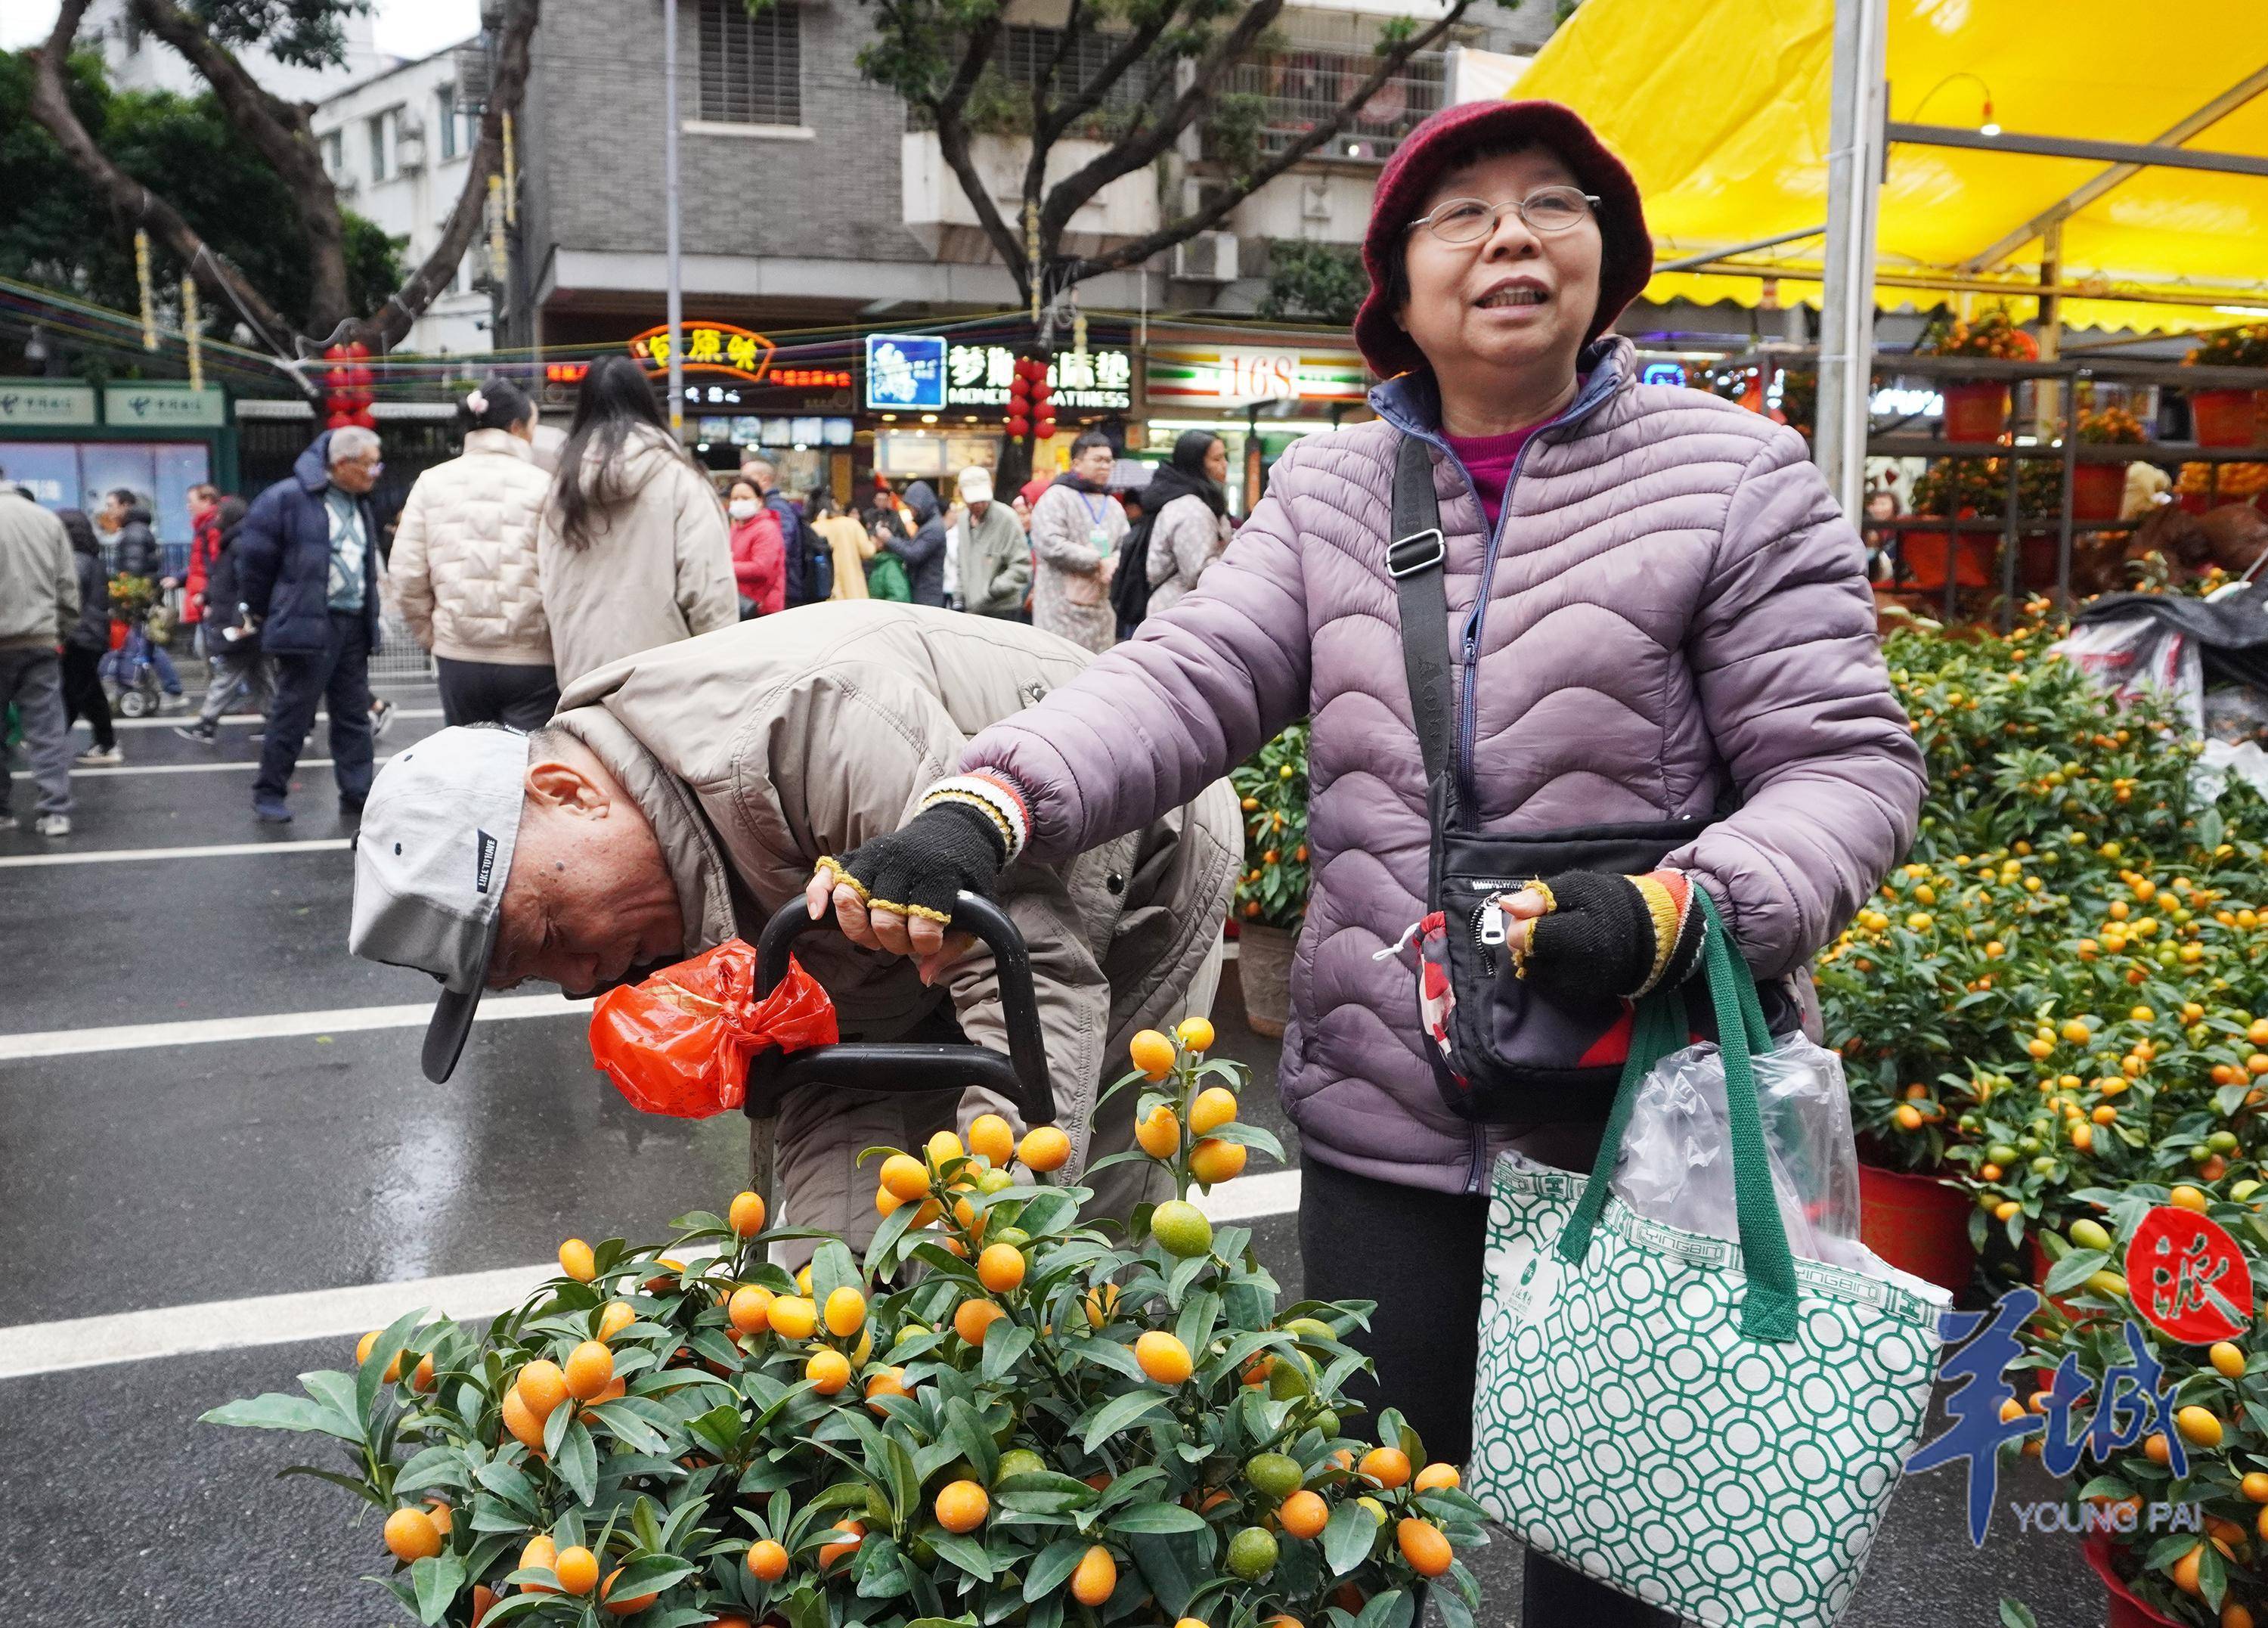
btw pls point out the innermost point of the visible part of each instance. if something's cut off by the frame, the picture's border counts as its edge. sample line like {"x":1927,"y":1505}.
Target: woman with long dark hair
{"x":1188,"y":501}
{"x":464,"y":573}
{"x":633,"y":550}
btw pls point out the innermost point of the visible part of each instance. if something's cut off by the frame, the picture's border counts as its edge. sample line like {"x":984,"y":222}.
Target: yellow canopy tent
{"x":1720,"y":109}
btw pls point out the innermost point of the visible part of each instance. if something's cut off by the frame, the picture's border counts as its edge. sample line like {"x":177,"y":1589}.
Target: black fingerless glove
{"x":1624,"y":935}
{"x":920,"y":868}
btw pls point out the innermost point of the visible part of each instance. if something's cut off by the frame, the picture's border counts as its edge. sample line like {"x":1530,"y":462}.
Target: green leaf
{"x":371,"y":1377}
{"x":894,"y":1227}
{"x":1158,"y":1518}
{"x":1199,"y":1315}
{"x":1045,"y":1493}
{"x":967,"y":1429}
{"x":1053,"y":1566}
{"x":966,"y":1553}
{"x":2074,"y":1269}
{"x":438,"y":1580}
{"x":1116,"y":1414}
{"x":653,"y":1573}
{"x":277,"y":1410}
{"x":1002,"y":1347}
{"x":578,"y":1462}
{"x":2016,"y":1614}
{"x":1391,"y":1610}
{"x":1349,"y":1538}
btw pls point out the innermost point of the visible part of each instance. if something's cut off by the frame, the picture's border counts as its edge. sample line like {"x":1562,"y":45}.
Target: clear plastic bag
{"x":1677,"y":1160}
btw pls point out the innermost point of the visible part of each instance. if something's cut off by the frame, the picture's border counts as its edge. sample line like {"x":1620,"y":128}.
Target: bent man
{"x":679,"y":797}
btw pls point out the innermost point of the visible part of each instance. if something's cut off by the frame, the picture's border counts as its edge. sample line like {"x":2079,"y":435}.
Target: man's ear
{"x":562,"y":785}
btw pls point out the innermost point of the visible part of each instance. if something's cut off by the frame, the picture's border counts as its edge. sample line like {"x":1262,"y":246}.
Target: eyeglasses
{"x":1547,"y":211}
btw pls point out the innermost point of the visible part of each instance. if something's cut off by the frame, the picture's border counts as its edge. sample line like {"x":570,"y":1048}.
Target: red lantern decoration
{"x":1019,"y":426}
{"x":1045,"y":428}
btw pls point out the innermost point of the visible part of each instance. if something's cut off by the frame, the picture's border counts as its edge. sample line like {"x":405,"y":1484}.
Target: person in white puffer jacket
{"x":463,"y":571}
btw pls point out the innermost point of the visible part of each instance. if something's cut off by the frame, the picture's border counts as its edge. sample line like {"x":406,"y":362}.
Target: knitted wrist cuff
{"x":1629,"y":934}
{"x":994,"y":795}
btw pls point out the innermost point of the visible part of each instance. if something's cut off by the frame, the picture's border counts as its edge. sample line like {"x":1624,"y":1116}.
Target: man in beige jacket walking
{"x":38,"y":602}
{"x":681,"y":796}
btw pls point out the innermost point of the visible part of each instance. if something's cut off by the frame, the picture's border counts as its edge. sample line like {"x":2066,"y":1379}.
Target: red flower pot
{"x":2097,"y":490}
{"x":2127,"y":1611}
{"x":1976,"y":411}
{"x":2035,"y":560}
{"x":2224,"y":417}
{"x":1925,"y":551}
{"x":1918,"y":1225}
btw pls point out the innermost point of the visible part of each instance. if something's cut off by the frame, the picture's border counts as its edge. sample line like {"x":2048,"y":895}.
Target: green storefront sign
{"x":162,"y":406}
{"x":31,"y":402}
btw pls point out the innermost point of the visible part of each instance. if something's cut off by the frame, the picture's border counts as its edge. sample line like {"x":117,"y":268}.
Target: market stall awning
{"x":1720,"y":109}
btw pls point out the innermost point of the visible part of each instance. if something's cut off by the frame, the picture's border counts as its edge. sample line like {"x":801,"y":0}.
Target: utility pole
{"x":676,"y":315}
{"x":1846,"y":326}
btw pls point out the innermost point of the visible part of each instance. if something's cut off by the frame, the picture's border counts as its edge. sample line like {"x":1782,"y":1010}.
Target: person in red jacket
{"x":759,"y":553}
{"x":205,"y":548}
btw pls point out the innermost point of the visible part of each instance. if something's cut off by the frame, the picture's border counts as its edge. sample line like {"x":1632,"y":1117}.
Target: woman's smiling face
{"x":1515,"y":299}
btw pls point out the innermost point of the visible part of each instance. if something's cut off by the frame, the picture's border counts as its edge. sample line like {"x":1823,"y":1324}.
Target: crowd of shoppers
{"x":520,"y":566}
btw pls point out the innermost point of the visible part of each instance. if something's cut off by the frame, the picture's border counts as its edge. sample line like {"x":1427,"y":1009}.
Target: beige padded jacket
{"x":463,"y":572}
{"x":754,"y":751}
{"x":660,"y":568}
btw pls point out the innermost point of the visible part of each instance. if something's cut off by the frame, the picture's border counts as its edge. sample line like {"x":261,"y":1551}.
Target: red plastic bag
{"x":679,"y":1043}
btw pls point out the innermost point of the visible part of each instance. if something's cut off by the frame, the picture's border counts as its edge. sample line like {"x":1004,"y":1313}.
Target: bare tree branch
{"x":1235,"y":191}
{"x":1090,"y":96}
{"x":1139,"y":151}
{"x":280,"y":132}
{"x":385,"y":330}
{"x":954,"y":145}
{"x":51,"y":107}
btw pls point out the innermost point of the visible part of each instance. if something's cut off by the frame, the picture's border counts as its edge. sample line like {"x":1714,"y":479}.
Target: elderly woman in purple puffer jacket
{"x":1655,"y":613}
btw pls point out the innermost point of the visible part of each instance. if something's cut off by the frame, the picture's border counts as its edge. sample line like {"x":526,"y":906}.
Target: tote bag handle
{"x":1767,"y":1308}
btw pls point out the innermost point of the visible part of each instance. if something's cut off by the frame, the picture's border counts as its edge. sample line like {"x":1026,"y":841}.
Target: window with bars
{"x":751,"y":66}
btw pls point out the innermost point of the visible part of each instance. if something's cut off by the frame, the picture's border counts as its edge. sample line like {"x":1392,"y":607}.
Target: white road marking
{"x":242,"y":766}
{"x":251,"y":719}
{"x":35,"y":1348}
{"x":63,"y":1043}
{"x":202,"y":851}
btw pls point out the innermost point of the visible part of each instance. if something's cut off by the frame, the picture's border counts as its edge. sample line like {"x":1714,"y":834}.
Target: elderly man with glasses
{"x":308,"y":573}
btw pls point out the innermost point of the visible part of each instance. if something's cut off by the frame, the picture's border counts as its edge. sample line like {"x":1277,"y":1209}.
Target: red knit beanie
{"x":1446,"y":140}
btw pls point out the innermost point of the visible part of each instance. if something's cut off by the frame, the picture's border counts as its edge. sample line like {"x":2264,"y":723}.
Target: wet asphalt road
{"x":168,"y":1175}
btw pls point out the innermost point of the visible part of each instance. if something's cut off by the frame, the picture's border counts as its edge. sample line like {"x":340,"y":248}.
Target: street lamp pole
{"x":676,"y":314}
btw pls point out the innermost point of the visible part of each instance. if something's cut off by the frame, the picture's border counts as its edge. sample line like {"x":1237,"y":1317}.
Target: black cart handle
{"x":1020,"y":1074}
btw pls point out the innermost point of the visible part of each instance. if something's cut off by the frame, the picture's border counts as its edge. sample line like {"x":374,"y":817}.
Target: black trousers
{"x":83,"y":697}
{"x":339,"y":675}
{"x":497,"y":692}
{"x":1418,"y":1255}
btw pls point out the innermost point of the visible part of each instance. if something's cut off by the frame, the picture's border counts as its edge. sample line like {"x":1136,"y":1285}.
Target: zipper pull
{"x":1492,"y":928}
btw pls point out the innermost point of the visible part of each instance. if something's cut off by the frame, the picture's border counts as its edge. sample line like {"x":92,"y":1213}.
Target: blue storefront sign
{"x":905,"y":372}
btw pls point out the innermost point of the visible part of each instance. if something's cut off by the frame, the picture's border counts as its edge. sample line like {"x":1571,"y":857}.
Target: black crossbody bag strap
{"x":1413,"y":559}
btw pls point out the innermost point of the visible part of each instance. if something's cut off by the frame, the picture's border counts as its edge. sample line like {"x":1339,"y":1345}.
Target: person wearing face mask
{"x":1076,"y":528}
{"x":463,"y":572}
{"x":1638,"y":625}
{"x":759,"y":552}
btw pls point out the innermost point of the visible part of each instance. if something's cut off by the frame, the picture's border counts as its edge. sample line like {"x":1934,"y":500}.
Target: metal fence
{"x":1292,"y":92}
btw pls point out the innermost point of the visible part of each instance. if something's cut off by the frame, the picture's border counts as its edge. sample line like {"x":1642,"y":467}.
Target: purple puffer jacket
{"x":1673,"y":604}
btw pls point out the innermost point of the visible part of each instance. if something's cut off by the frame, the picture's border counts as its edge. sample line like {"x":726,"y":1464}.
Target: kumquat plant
{"x":999,"y":1414}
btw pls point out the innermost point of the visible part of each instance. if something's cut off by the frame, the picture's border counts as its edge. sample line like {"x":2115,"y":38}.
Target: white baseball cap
{"x":430,"y":861}
{"x":976,"y":484}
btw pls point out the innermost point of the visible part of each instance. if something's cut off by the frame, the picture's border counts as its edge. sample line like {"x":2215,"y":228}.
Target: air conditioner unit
{"x":409,"y":149}
{"x":1316,"y":198}
{"x":1208,"y":257}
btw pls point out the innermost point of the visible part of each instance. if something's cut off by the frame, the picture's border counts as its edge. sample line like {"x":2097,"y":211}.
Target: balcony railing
{"x":1272,"y":101}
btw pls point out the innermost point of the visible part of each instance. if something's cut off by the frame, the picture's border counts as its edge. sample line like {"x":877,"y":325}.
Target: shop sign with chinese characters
{"x":709,"y":347}
{"x":1250,"y":377}
{"x":34,"y":401}
{"x":1099,"y":381}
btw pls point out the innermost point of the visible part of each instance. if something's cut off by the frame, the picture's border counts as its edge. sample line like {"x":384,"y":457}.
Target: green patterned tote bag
{"x":1712,"y":1427}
